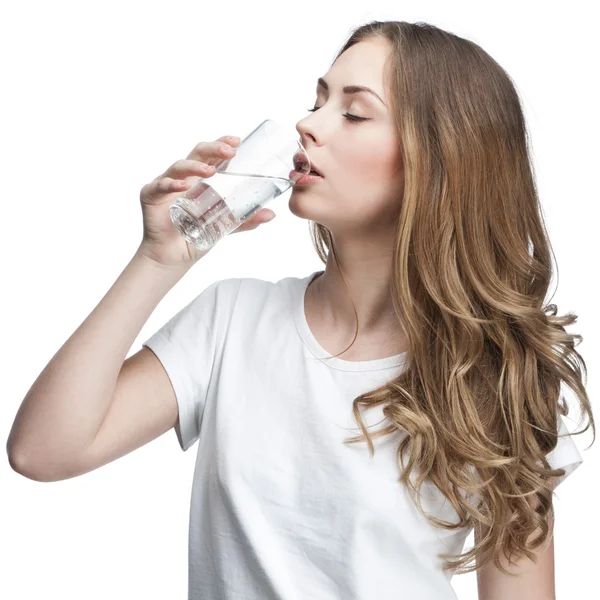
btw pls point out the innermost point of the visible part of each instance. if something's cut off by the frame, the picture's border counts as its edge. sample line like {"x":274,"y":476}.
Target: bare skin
{"x":379,"y":344}
{"x":358,"y":200}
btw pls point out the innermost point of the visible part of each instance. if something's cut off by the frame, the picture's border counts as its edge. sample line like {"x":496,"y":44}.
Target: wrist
{"x":144,"y":256}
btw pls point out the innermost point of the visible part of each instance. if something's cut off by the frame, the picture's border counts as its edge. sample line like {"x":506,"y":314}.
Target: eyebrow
{"x":350,"y":89}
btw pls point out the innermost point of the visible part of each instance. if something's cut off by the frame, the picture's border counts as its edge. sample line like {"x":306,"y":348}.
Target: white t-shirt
{"x":281,"y":509}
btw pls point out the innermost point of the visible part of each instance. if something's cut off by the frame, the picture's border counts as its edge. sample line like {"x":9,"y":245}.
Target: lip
{"x":305,"y":179}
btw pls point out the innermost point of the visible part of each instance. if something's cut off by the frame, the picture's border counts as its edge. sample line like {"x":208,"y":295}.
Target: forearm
{"x":67,"y":403}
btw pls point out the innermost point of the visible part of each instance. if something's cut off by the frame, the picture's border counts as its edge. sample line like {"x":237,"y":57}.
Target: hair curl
{"x":479,"y":393}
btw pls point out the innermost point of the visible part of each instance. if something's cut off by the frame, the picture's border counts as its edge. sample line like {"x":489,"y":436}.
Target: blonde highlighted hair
{"x":479,"y":395}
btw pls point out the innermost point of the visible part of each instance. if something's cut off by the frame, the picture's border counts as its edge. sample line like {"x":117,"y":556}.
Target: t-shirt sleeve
{"x":189,"y":346}
{"x":565,"y":454}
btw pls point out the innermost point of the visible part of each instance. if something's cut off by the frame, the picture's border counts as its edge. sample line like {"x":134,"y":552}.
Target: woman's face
{"x":360,"y":161}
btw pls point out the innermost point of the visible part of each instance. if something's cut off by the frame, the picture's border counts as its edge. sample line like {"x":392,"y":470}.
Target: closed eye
{"x":348,"y":116}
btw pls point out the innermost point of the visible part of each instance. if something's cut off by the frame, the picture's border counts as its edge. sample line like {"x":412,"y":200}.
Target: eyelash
{"x":348,"y":116}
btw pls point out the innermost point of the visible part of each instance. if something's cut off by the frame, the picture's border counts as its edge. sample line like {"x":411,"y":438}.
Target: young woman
{"x":430,"y":312}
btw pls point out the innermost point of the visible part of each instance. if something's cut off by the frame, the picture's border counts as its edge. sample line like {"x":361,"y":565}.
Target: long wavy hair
{"x":479,"y":395}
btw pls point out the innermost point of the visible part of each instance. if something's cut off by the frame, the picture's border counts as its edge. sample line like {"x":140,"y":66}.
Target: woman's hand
{"x":161,"y":240}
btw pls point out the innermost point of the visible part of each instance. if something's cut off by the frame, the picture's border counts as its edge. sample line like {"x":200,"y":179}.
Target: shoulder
{"x":257,"y":286}
{"x":256,"y":295}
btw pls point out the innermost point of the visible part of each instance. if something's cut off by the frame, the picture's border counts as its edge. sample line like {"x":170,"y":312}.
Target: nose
{"x":303,"y":128}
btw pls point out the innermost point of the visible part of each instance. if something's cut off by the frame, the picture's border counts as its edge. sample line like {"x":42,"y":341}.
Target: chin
{"x":299,"y":204}
{"x":305,"y":205}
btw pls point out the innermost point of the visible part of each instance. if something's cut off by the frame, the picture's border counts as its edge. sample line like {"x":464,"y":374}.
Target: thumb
{"x":266,"y":214}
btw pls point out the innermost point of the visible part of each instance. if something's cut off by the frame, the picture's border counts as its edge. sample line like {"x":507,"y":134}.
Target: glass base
{"x":189,"y":226}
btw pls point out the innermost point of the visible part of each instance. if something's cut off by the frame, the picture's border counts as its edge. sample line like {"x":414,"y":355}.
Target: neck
{"x":367,"y":278}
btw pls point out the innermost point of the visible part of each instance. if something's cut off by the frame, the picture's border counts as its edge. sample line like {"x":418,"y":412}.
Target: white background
{"x":98,"y":99}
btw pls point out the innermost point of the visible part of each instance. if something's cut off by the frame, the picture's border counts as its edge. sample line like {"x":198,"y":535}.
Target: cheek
{"x":372,"y":175}
{"x":363,"y":164}
{"x":371,"y":162}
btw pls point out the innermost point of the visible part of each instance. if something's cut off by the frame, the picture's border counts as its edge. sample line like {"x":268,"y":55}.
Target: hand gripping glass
{"x":267,"y":163}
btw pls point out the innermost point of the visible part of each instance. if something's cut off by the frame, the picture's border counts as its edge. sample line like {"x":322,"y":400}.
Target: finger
{"x":261,"y":217}
{"x":249,"y":225}
{"x":265,"y":215}
{"x":232,"y":140}
{"x":167,"y":185}
{"x":212,"y":152}
{"x":185,"y":168}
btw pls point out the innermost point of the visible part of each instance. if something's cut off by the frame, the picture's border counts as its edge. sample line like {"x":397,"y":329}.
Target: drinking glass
{"x":267,"y":163}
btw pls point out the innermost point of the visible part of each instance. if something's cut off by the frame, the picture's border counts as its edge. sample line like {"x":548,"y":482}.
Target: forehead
{"x":361,"y":64}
